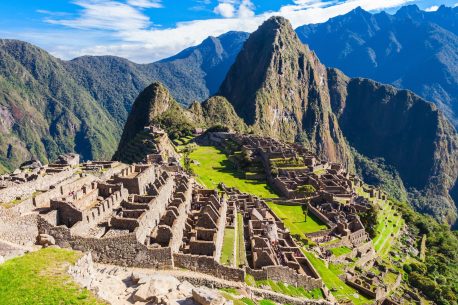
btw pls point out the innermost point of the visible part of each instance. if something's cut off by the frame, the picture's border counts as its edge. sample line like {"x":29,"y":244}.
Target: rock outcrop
{"x":280,"y":89}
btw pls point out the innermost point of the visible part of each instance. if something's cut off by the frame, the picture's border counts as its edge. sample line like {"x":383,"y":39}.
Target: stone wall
{"x":157,"y":208}
{"x":286,"y":275}
{"x":72,"y":184}
{"x":208,"y":265}
{"x":27,"y":189}
{"x":17,"y":228}
{"x":122,"y":250}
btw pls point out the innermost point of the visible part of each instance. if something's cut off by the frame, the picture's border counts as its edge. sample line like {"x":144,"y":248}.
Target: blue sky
{"x":148,"y":30}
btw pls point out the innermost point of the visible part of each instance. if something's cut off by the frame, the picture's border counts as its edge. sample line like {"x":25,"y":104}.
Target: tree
{"x":186,"y":155}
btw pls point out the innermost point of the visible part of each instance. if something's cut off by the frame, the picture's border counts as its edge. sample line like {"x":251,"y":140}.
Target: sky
{"x":148,"y":30}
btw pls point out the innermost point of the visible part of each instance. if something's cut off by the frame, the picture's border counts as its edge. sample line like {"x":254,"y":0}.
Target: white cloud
{"x":106,"y":15}
{"x":129,"y":33}
{"x":432,"y":8}
{"x":146,"y":3}
{"x":246,"y":9}
{"x":227,"y":10}
{"x":235,"y":8}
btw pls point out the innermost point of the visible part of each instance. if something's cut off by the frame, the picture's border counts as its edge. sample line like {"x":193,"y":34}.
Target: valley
{"x":274,"y":180}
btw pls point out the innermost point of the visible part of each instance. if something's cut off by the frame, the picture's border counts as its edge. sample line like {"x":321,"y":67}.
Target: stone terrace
{"x":205,"y":225}
{"x":271,"y":250}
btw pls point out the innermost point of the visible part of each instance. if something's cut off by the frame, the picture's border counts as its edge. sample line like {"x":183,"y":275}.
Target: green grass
{"x":339,"y":251}
{"x":41,"y":278}
{"x":248,"y":301}
{"x":333,"y":282}
{"x":230,"y":290}
{"x":241,"y":254}
{"x":388,"y":228}
{"x":227,"y":253}
{"x":294,"y":219}
{"x":267,"y":302}
{"x":290,"y":290}
{"x":214,"y":168}
{"x":228,"y":296}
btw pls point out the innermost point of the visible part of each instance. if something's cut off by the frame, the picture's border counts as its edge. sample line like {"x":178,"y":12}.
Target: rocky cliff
{"x":156,"y":106}
{"x":280,"y":89}
{"x":411,"y":49}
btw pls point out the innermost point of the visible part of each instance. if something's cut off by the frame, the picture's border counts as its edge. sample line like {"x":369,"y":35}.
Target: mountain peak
{"x":277,"y":25}
{"x":278,"y":86}
{"x":409,"y":11}
{"x":360,"y":11}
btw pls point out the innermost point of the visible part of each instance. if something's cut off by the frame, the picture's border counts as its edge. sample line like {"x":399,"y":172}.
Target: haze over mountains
{"x":277,"y":86}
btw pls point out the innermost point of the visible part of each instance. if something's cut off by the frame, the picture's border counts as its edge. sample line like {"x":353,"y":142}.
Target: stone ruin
{"x":154,"y":215}
{"x":271,"y":251}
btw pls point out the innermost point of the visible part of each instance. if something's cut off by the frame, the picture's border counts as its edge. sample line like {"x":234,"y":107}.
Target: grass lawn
{"x":214,"y":168}
{"x":333,"y":282}
{"x":387,"y":229}
{"x":291,"y":290}
{"x":340,"y":251}
{"x":294,"y":219}
{"x":41,"y":278}
{"x":241,"y":254}
{"x":227,"y":253}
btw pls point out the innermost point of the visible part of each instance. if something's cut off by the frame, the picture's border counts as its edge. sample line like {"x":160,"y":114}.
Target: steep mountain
{"x":193,"y":74}
{"x":44,"y":112}
{"x":279,"y":88}
{"x":156,"y":106}
{"x":411,"y":49}
{"x":49,"y":106}
{"x":217,"y":111}
{"x":197,"y":72}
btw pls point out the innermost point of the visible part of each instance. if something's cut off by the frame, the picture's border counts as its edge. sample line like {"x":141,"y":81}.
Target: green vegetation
{"x":241,"y":253}
{"x":437,"y":276}
{"x":175,"y":122}
{"x":389,"y":224}
{"x":230,"y":290}
{"x":214,"y":168}
{"x":40,"y":278}
{"x":267,"y":302}
{"x":370,"y":219}
{"x":295,"y":220}
{"x":227,"y":253}
{"x":340,"y":251}
{"x":376,"y":172}
{"x":339,"y":289}
{"x":290,"y":290}
{"x":248,"y":301}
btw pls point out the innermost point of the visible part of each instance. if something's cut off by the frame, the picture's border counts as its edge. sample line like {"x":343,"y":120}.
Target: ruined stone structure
{"x":205,"y":225}
{"x":154,"y":215}
{"x":271,"y":251}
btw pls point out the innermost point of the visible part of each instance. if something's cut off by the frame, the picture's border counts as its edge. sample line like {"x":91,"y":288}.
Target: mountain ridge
{"x":363,"y":44}
{"x":282,"y":89}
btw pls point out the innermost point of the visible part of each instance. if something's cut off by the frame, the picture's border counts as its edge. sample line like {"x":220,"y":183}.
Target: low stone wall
{"x":320,"y":216}
{"x":286,"y":275}
{"x":208,"y":265}
{"x":64,"y":188}
{"x":28,"y":188}
{"x":319,"y":233}
{"x":122,"y":250}
{"x":17,"y":228}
